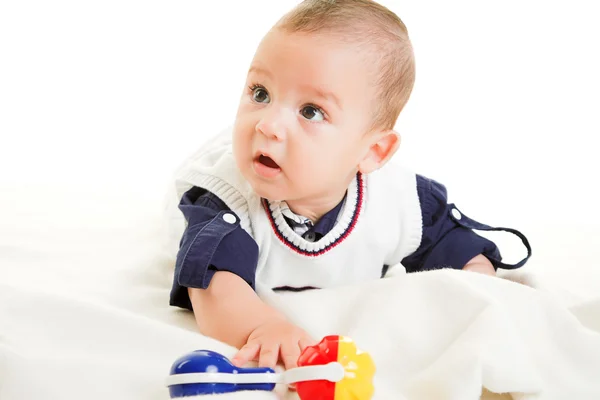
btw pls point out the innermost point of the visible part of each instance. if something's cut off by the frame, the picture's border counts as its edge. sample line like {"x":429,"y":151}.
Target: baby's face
{"x":300,"y":130}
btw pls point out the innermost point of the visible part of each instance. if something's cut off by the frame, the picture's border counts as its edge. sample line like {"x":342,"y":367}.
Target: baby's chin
{"x":271,"y":195}
{"x":272,"y":190}
{"x":268,"y":190}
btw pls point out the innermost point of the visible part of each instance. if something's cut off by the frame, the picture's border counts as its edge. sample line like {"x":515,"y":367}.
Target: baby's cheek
{"x":302,"y":178}
{"x":312,"y":168}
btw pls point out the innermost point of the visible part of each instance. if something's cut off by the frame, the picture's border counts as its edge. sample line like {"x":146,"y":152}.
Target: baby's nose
{"x":273,"y":125}
{"x":272,"y":133}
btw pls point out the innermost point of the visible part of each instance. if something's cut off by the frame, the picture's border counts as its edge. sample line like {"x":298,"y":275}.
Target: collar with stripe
{"x":348,"y":217}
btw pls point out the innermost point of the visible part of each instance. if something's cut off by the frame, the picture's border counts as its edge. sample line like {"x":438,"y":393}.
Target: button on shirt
{"x":447,"y":241}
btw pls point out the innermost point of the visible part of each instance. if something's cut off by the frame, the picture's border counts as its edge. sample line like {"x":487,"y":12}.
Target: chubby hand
{"x":276,"y":339}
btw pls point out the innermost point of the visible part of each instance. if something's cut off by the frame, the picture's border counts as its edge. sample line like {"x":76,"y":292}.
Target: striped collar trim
{"x":345,"y":225}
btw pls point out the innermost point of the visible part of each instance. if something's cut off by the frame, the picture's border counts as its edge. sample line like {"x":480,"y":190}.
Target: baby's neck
{"x":315,"y":208}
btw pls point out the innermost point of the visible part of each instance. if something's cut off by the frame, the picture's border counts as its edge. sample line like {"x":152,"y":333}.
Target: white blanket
{"x":83,"y":314}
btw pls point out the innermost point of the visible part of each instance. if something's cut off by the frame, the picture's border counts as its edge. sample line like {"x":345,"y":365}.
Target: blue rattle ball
{"x":211,"y":365}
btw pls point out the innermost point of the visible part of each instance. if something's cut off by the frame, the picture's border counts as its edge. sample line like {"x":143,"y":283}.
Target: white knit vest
{"x":379,"y":225}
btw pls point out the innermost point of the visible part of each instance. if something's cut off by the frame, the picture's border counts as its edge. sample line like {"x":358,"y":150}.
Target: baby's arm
{"x":230,"y":311}
{"x":480,"y":264}
{"x":215,"y":276}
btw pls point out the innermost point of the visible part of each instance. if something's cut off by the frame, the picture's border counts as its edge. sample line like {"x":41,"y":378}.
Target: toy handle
{"x":268,"y":386}
{"x":262,"y":370}
{"x":332,"y":372}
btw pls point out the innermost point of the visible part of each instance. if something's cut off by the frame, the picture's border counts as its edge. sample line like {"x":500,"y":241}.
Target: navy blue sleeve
{"x":212,"y":241}
{"x":446,"y":241}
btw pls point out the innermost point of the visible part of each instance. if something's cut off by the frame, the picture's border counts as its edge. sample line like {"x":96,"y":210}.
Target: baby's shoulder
{"x":213,"y":167}
{"x":393,"y":177}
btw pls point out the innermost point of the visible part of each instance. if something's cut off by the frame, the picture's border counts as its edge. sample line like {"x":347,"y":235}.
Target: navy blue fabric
{"x":445,"y":243}
{"x":210,"y":244}
{"x":468,"y":223}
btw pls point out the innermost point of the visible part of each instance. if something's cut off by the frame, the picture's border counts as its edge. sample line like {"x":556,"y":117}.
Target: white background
{"x":115,"y":94}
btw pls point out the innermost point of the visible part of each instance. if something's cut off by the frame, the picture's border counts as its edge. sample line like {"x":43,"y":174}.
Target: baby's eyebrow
{"x":259,"y":71}
{"x":327,"y":95}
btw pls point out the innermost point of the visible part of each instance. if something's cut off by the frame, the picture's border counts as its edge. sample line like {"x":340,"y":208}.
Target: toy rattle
{"x":334,"y":369}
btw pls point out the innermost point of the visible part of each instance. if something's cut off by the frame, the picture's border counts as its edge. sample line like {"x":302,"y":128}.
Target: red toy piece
{"x":358,"y":366}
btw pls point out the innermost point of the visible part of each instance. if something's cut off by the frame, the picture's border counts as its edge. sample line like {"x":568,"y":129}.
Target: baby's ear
{"x":381,"y":149}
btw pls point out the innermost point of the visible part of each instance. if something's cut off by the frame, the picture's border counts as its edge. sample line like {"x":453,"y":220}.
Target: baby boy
{"x":301,"y":194}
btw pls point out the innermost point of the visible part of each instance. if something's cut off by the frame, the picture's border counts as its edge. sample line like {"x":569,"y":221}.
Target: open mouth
{"x":267,"y":161}
{"x":266,"y":167}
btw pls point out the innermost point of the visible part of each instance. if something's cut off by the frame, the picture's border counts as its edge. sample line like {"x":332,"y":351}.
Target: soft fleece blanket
{"x":84,"y":315}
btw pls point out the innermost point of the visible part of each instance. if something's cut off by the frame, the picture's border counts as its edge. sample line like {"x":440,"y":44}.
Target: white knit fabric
{"x":379,"y":224}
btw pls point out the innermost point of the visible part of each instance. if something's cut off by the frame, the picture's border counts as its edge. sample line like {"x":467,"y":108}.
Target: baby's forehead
{"x":360,"y":38}
{"x":316,"y":50}
{"x":368,"y":52}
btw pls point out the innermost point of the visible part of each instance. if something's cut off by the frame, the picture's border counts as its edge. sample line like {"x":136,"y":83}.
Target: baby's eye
{"x":260,"y":95}
{"x":312,"y":113}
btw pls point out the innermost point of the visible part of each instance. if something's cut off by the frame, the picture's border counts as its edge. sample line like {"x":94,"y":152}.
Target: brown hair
{"x":370,"y":25}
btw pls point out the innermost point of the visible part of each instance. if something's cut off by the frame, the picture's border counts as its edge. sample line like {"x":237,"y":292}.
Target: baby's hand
{"x":273,"y":340}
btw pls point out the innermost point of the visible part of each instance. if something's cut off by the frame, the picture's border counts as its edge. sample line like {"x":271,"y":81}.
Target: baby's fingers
{"x":246,"y":353}
{"x":269,"y":354}
{"x":306,"y":342}
{"x":290,"y":352}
